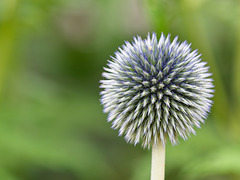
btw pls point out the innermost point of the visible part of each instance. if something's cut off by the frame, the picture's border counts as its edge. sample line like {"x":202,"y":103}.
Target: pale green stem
{"x":158,"y":162}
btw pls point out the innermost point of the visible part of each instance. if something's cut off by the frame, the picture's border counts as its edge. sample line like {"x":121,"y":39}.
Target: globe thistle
{"x":154,"y":90}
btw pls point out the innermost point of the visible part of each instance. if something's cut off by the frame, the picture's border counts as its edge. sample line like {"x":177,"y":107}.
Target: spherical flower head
{"x":154,"y":90}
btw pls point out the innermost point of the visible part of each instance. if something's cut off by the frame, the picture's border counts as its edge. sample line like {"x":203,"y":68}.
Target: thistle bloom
{"x":156,"y":90}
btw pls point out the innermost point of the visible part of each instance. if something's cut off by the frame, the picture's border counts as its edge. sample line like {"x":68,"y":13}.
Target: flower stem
{"x":158,"y":162}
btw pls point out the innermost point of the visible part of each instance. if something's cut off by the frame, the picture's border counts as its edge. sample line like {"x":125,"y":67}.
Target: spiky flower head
{"x":156,"y":90}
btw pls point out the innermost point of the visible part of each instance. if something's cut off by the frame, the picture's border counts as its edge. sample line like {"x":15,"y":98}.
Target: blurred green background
{"x":52,"y":54}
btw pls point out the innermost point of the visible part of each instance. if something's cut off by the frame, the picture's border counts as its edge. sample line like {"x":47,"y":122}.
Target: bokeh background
{"x":52,"y":54}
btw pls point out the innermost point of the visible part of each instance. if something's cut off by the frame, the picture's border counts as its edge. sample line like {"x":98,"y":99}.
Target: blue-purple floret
{"x":154,"y":90}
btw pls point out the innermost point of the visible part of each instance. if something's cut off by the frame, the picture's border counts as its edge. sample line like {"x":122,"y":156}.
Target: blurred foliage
{"x":52,"y":54}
